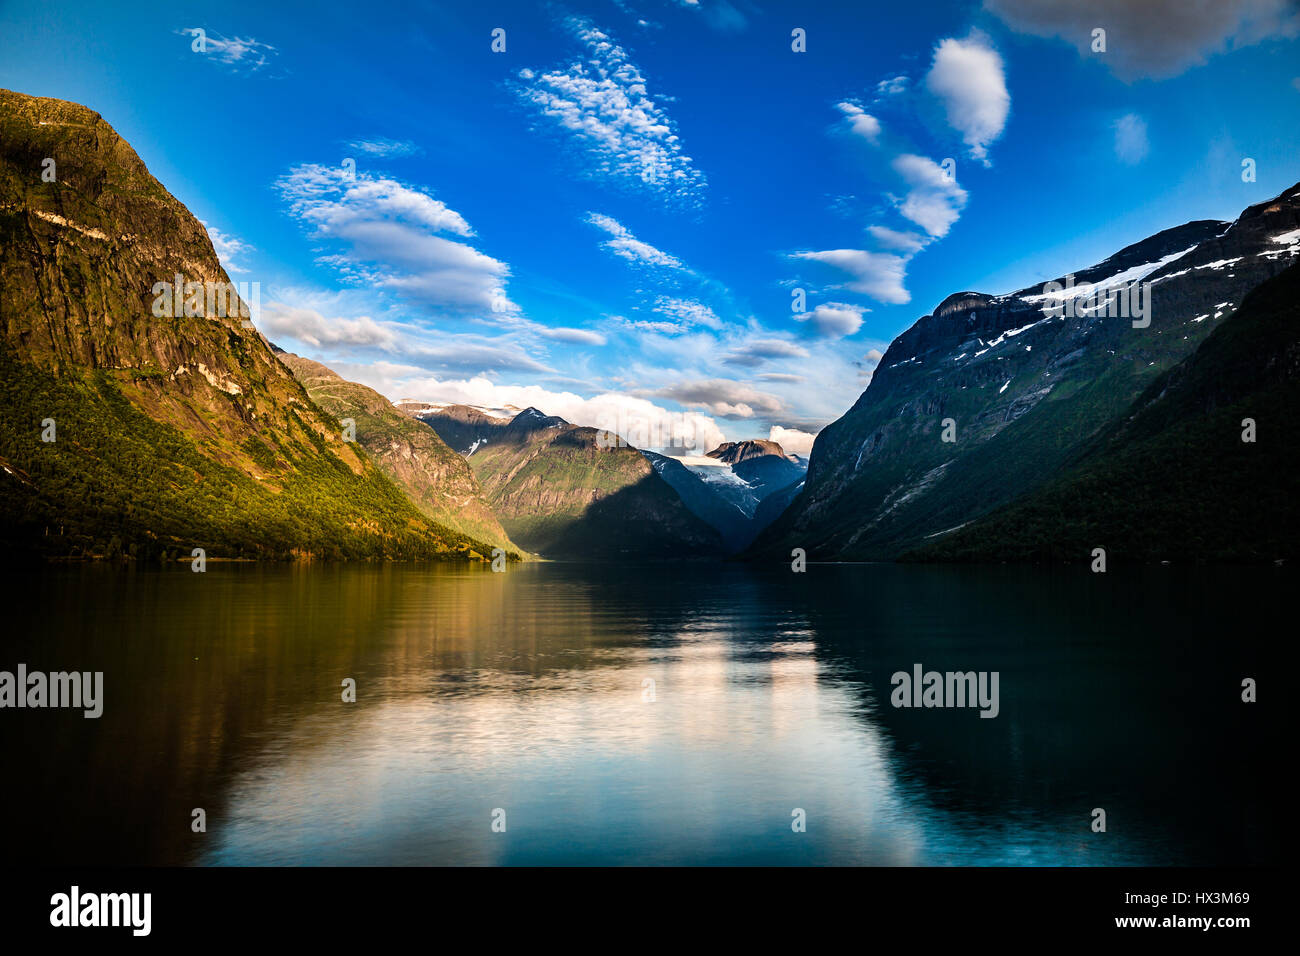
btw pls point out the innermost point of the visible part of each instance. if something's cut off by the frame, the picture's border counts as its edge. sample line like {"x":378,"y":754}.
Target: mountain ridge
{"x":1018,"y":391}
{"x":568,"y":491}
{"x":436,"y":479}
{"x":169,"y":429}
{"x":1173,"y":479}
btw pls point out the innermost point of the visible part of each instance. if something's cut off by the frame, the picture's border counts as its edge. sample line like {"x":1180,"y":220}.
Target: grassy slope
{"x":118,"y":482}
{"x":436,"y":479}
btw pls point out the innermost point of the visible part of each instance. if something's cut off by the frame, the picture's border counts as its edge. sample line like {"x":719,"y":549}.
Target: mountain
{"x":703,"y":498}
{"x":1019,"y":388}
{"x":746,"y":472}
{"x":462,"y":427}
{"x":769,"y":473}
{"x":762,"y":465}
{"x":436,"y":479}
{"x":565,"y":491}
{"x":1172,"y":479}
{"x":734,"y":452}
{"x":174,"y":425}
{"x":729,"y":486}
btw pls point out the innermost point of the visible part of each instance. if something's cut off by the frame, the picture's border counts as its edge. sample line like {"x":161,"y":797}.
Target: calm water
{"x":524,"y":691}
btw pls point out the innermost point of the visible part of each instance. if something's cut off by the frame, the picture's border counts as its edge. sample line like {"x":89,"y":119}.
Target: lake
{"x":645,"y":715}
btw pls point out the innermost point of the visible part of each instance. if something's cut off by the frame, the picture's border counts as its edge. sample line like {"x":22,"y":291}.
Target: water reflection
{"x":527,"y":692}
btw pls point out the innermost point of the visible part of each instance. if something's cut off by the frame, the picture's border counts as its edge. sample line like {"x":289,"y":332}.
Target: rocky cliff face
{"x":82,"y":257}
{"x":989,"y":396}
{"x":175,"y":425}
{"x":462,"y":427}
{"x":734,"y":452}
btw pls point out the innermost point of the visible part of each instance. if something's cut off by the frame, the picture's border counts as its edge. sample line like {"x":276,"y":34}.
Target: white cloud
{"x":338,"y":336}
{"x":934,"y":201}
{"x":327,"y":198}
{"x":279,"y":321}
{"x":389,"y":237}
{"x":1131,"y":144}
{"x":469,"y":353}
{"x":571,"y":336}
{"x":756,"y":352}
{"x":604,"y":102}
{"x":687,"y":312}
{"x":894,"y":239}
{"x":861,"y":122}
{"x":648,"y":325}
{"x":877,"y":274}
{"x":723,"y":397}
{"x":241,"y":53}
{"x":227,"y":248}
{"x":642,"y":422}
{"x":385,"y":148}
{"x":792,"y":440}
{"x":1153,"y":38}
{"x":833,"y":320}
{"x":628,"y":246}
{"x":892,"y":86}
{"x":967,"y":76}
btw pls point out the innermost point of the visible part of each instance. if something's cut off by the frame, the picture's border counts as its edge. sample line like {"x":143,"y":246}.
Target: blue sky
{"x":610,"y":218}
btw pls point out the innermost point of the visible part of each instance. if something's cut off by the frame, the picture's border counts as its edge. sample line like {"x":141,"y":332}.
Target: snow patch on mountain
{"x":1127,"y":277}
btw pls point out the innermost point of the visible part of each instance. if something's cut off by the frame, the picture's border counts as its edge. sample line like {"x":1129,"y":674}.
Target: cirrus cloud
{"x":629,"y":247}
{"x":241,"y":54}
{"x":604,"y":102}
{"x":382,"y":147}
{"x":687,"y":312}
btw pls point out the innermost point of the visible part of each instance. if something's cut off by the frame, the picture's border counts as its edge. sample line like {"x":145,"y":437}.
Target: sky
{"x":687,"y":220}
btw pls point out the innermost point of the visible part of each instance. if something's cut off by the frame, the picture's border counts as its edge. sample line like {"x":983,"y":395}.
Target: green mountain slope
{"x":172,"y":432}
{"x":1173,"y":479}
{"x":436,"y":479}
